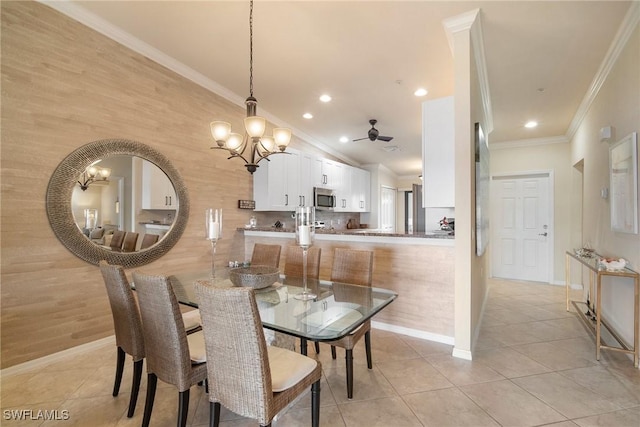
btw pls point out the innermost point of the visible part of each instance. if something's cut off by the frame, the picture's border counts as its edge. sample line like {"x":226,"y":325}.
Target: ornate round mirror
{"x":114,"y":188}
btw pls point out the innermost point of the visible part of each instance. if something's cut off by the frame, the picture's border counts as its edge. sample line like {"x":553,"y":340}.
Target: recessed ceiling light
{"x":307,"y":116}
{"x":344,"y":139}
{"x":421,"y":92}
{"x":325,"y":98}
{"x":531,"y":124}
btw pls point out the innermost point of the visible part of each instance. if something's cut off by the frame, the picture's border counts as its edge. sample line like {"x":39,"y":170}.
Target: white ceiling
{"x":370,"y":56}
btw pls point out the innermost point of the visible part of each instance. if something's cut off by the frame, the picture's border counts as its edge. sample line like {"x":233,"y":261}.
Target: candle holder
{"x":213,"y":227}
{"x":305,"y":233}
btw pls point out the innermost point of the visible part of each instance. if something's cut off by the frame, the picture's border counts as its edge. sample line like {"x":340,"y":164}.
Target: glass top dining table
{"x":339,"y":308}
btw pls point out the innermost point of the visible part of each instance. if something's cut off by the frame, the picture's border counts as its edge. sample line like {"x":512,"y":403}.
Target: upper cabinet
{"x":287,"y":181}
{"x":283,"y":182}
{"x":157,"y":189}
{"x":438,"y":162}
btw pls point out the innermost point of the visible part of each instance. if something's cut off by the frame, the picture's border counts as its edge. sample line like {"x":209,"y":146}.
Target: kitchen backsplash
{"x":338,"y":220}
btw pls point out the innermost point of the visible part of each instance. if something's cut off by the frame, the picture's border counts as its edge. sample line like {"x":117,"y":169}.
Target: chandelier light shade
{"x":92,"y":174}
{"x":260,"y":146}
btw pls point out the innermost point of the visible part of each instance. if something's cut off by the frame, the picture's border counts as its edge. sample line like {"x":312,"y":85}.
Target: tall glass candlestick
{"x":213,"y":227}
{"x":305,"y":233}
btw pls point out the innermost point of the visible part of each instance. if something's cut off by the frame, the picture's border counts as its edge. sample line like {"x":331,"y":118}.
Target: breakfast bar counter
{"x":418,"y":267}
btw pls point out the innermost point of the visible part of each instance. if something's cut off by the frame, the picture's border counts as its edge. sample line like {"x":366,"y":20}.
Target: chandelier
{"x":93,"y":174}
{"x":260,"y":146}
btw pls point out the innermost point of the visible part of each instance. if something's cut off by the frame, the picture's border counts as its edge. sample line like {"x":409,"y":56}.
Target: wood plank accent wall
{"x":64,"y":85}
{"x":422,"y":275}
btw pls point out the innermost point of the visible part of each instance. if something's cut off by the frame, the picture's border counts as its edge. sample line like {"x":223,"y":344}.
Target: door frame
{"x":551,"y":209}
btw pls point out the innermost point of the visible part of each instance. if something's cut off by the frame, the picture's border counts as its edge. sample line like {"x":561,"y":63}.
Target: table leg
{"x":636,"y":311}
{"x":567,"y":277}
{"x":303,"y":346}
{"x":598,"y":315}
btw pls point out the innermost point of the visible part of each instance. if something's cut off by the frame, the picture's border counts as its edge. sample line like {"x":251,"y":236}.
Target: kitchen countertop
{"x":359,"y":232}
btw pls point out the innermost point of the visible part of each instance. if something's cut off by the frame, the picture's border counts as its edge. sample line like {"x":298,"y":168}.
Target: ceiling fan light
{"x":220,"y":132}
{"x":282,"y":137}
{"x":234,"y":142}
{"x":255,"y":126}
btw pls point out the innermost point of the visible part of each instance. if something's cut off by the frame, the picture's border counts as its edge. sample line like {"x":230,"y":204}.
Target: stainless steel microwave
{"x":324,"y":199}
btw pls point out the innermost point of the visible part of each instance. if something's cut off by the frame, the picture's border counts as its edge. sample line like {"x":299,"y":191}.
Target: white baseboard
{"x":43,"y":361}
{"x":444,"y":339}
{"x":462,"y":354}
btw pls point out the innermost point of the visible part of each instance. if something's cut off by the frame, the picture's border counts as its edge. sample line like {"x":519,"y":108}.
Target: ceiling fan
{"x":373,"y":134}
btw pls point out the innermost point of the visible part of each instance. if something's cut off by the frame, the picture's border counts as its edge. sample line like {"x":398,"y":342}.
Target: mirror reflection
{"x":129,"y":210}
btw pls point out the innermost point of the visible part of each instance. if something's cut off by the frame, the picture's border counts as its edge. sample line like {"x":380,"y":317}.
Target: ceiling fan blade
{"x":360,"y":139}
{"x":385,"y":138}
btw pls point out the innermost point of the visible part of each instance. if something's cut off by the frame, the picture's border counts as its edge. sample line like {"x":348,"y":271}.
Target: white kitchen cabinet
{"x":157,"y":189}
{"x":438,"y":162}
{"x":327,"y":174}
{"x":360,"y":190}
{"x":283,"y":183}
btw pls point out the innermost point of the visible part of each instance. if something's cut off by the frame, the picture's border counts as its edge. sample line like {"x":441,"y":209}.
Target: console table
{"x":597,"y":271}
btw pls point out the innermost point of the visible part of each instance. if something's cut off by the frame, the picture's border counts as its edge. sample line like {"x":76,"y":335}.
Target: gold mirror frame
{"x":64,"y":179}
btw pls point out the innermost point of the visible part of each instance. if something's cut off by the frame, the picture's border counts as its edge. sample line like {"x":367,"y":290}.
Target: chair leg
{"x":214,"y":414}
{"x":317,"y":347}
{"x":349,"y":359}
{"x":183,"y":408}
{"x":315,"y":404}
{"x":152,"y":381}
{"x":333,"y":351}
{"x":135,"y":387}
{"x":367,"y":346}
{"x":119,"y":370}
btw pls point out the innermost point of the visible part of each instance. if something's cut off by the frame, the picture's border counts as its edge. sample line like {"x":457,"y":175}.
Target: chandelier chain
{"x":251,"y":48}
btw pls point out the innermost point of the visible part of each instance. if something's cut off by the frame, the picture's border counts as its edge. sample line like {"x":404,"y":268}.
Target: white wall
{"x":617,"y":104}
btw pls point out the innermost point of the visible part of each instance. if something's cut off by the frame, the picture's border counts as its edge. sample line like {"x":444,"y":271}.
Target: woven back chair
{"x":130,"y":241}
{"x":149,"y":240}
{"x":293,"y":262}
{"x":354,"y":267}
{"x":245,"y":375}
{"x":117,"y":240}
{"x":172,"y":356}
{"x":127,"y":325}
{"x":266,"y":255}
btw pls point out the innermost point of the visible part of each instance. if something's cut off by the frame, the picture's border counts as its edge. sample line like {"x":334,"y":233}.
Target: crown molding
{"x":477,"y":42}
{"x":625,"y":31}
{"x":83,"y":16}
{"x":530,"y":142}
{"x":472,"y":21}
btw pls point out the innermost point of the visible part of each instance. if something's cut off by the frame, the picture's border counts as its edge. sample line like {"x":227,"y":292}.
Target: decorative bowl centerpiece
{"x":255,"y":276}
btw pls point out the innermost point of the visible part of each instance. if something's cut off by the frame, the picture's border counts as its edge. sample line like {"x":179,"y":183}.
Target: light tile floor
{"x":534,"y":364}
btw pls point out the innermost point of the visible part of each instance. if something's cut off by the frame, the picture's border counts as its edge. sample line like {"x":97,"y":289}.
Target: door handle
{"x":543,"y":234}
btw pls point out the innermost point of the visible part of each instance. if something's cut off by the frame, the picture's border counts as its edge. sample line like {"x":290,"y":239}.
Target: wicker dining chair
{"x":149,"y":240}
{"x":353,"y":267}
{"x":128,"y":328}
{"x":266,"y":255}
{"x":117,"y":240}
{"x":130,"y":241}
{"x":172,"y":356}
{"x":293,"y":267}
{"x":245,"y":375}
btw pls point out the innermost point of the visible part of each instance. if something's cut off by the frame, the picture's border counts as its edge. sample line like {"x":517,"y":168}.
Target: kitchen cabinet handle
{"x":286,"y":200}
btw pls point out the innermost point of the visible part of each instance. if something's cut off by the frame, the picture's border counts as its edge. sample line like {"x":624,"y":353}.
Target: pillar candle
{"x":304,"y":235}
{"x":214,"y":230}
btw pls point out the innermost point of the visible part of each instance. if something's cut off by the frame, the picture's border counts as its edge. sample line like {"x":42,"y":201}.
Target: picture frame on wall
{"x":482,"y":190}
{"x":623,"y":183}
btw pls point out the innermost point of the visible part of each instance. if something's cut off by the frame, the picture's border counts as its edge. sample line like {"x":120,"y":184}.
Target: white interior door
{"x":521,"y":227}
{"x":388,"y":209}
